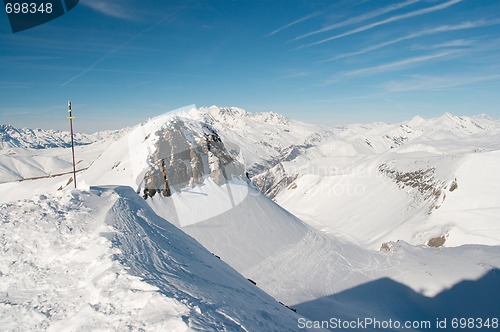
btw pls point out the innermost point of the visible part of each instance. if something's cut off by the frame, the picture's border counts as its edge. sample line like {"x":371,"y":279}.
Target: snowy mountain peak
{"x":185,"y":154}
{"x":271,"y":117}
{"x":484,"y":116}
{"x":220,"y":114}
{"x":230,"y":111}
{"x":460,"y":124}
{"x":417,"y":120}
{"x":234,"y":115}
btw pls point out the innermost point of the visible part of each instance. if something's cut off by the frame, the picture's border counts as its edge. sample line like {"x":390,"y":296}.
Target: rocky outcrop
{"x":185,"y":155}
{"x":428,"y":188}
{"x":272,"y":181}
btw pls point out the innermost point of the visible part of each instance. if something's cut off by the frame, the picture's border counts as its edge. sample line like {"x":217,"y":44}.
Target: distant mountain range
{"x":11,"y":137}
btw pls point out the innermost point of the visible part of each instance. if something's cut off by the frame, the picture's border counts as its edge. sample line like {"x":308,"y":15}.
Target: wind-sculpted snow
{"x":103,"y":260}
{"x":58,"y":272}
{"x":217,"y":296}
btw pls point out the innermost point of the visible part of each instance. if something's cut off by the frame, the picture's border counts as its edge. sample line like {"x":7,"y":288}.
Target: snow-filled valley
{"x":205,"y":219}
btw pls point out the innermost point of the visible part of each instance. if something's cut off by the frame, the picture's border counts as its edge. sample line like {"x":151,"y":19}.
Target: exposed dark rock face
{"x":288,"y":153}
{"x":437,"y":242}
{"x":454,"y":185}
{"x":186,"y":153}
{"x":272,"y":181}
{"x":423,"y":180}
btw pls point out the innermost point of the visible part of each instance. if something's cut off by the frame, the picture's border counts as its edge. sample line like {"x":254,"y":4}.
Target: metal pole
{"x":71,"y":117}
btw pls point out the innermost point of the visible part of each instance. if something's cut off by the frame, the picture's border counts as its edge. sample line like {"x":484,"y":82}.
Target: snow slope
{"x":322,"y":279}
{"x":397,"y":182}
{"x":103,"y":260}
{"x":19,"y":163}
{"x":27,"y":153}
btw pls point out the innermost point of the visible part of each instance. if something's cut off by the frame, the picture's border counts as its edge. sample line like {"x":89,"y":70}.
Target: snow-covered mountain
{"x":189,"y":172}
{"x":37,"y":138}
{"x":27,"y":154}
{"x":399,"y":182}
{"x":185,"y":171}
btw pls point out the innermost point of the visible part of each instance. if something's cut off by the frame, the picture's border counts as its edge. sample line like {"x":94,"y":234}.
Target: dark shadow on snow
{"x":386,"y":299}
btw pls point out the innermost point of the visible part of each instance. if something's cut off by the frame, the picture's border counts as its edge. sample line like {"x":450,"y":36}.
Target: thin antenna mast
{"x":71,"y":117}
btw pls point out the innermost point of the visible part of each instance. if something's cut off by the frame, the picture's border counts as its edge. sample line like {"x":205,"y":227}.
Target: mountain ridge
{"x":12,"y":137}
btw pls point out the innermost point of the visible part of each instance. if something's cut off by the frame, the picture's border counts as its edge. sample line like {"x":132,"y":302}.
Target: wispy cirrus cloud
{"x":291,"y":24}
{"x":13,"y":85}
{"x":297,"y":73}
{"x":112,"y":8}
{"x":359,"y":19}
{"x":423,"y":33}
{"x":401,"y":64}
{"x":386,"y":21}
{"x":433,"y":83}
{"x":115,"y":50}
{"x":447,"y":44}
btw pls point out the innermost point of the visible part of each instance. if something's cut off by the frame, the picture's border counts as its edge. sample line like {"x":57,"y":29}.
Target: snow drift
{"x":104,"y":260}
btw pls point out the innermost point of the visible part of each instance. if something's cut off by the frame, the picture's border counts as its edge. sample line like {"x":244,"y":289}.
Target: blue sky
{"x":330,"y":62}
